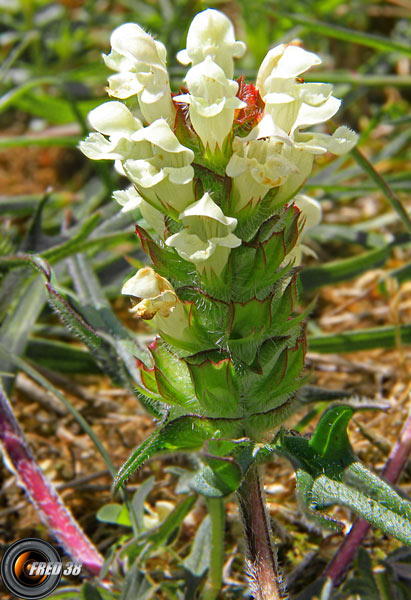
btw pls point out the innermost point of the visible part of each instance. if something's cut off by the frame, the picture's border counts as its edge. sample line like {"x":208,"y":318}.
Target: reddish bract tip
{"x":252,"y":113}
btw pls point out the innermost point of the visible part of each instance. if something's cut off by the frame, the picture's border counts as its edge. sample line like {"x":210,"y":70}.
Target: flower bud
{"x":141,"y":65}
{"x":211,"y":34}
{"x":207,"y":238}
{"x":212,"y":100}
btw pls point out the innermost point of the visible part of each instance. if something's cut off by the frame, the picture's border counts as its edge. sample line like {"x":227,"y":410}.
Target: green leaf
{"x":90,"y":592}
{"x":60,"y":356}
{"x":328,"y":492}
{"x":198,"y":561}
{"x":136,"y":585}
{"x":182,"y":433}
{"x":227,"y":463}
{"x":330,"y":437}
{"x":139,"y":498}
{"x":328,"y":473}
{"x":25,"y":141}
{"x":114,"y":513}
{"x":55,"y":110}
{"x":167,"y":531}
{"x":367,"y":339}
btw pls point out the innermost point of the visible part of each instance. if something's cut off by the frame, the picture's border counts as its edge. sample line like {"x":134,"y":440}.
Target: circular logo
{"x":31,"y":568}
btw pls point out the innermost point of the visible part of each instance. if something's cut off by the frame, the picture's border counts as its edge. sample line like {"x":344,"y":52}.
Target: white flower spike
{"x":211,"y":34}
{"x":141,"y":65}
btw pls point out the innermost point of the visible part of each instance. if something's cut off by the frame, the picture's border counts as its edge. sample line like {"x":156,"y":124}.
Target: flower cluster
{"x":215,"y":172}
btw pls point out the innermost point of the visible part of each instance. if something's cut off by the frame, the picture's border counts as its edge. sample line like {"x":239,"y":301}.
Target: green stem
{"x":265,"y":578}
{"x":215,"y":575}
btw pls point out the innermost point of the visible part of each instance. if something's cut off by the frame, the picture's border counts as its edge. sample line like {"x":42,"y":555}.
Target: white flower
{"x":292,"y":105}
{"x":156,"y":301}
{"x":151,"y":157}
{"x":256,"y":166}
{"x":116,"y":121}
{"x":161,"y":168}
{"x":141,"y":63}
{"x":207,"y":238}
{"x":155,"y":294}
{"x":311,"y":214}
{"x":212,"y":101}
{"x":130,"y":200}
{"x":211,"y":33}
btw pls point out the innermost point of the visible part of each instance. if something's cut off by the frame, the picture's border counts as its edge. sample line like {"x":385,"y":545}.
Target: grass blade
{"x":348,"y":35}
{"x":384,"y":187}
{"x":367,"y":339}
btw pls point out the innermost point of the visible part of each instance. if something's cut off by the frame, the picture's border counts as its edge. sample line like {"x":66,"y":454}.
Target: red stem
{"x":393,"y":468}
{"x":50,"y":507}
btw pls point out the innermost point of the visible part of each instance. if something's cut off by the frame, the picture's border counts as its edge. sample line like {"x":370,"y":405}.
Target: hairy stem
{"x":264,"y":575}
{"x":215,"y":577}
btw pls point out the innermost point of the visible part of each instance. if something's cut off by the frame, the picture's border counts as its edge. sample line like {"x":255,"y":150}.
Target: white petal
{"x":123,"y":85}
{"x":211,"y":34}
{"x":159,"y":134}
{"x":228,"y":241}
{"x":129,"y":199}
{"x":310,"y":209}
{"x":190,"y":247}
{"x":206,"y":207}
{"x":180,"y":175}
{"x":146,"y":283}
{"x":143,"y":173}
{"x":114,"y":118}
{"x":133,"y":42}
{"x":311,"y":115}
{"x":341,"y":141}
{"x":96,"y":147}
{"x":296,"y":60}
{"x":314,"y":93}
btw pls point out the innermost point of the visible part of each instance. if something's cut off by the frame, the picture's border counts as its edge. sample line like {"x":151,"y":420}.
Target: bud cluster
{"x":214,"y":171}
